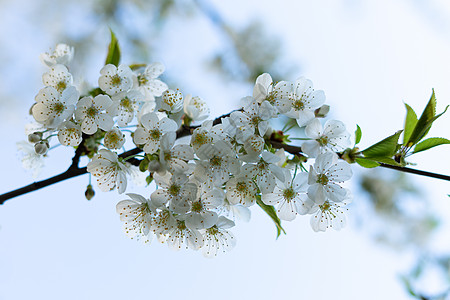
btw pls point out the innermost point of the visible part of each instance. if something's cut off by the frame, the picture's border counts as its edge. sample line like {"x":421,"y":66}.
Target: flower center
{"x":323,"y":141}
{"x":326,"y":206}
{"x":216,"y":161}
{"x":271,"y":97}
{"x":167,"y":156}
{"x":213,"y":230}
{"x":241,"y":187}
{"x":112,"y":138}
{"x":322,"y":179}
{"x":155,"y":134}
{"x":262,"y":165}
{"x":116,"y":80}
{"x":289,"y":194}
{"x":142,"y":80}
{"x":126,"y":104}
{"x":91,"y":112}
{"x":255,"y":121}
{"x":200,"y":139}
{"x":58,"y":107}
{"x":298,"y":105}
{"x":61,"y":86}
{"x":197,"y":207}
{"x":174,"y":190}
{"x":181,"y":225}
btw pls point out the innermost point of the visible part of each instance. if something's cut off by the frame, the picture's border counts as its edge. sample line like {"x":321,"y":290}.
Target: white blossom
{"x":137,"y":213}
{"x":69,"y":134}
{"x":324,"y":176}
{"x":202,"y":135}
{"x":174,"y":158}
{"x":302,"y":101}
{"x":114,"y":79}
{"x":202,"y":214}
{"x":52,"y":108}
{"x":333,"y":137}
{"x":58,"y":77}
{"x":110,"y":172}
{"x":289,"y":196}
{"x":195,"y":108}
{"x":125,"y":105}
{"x":266,"y":90}
{"x":114,"y":138}
{"x":241,"y":190}
{"x":174,"y":189}
{"x":149,"y":85}
{"x":329,"y":214}
{"x":152,"y":130}
{"x":172,"y":101}
{"x":264,"y":172}
{"x":91,"y":112}
{"x":216,"y":163}
{"x":218,"y":239}
{"x":235,"y":211}
{"x":181,"y":236}
{"x":30,"y":159}
{"x":62,"y":54}
{"x":254,"y":118}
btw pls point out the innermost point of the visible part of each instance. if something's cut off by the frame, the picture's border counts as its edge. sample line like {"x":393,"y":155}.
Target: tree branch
{"x":74,"y":170}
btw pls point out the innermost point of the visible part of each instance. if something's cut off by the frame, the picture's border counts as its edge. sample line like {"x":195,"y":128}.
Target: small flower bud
{"x":143,"y":165}
{"x":154,"y":166}
{"x":89,"y":193}
{"x":35,"y":137}
{"x":322,"y":111}
{"x":41,"y":147}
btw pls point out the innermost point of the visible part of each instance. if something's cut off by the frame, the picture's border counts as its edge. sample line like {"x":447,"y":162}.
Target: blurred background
{"x":368,"y":57}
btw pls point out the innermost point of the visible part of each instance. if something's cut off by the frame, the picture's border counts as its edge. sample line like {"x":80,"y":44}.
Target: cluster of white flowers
{"x":205,"y":184}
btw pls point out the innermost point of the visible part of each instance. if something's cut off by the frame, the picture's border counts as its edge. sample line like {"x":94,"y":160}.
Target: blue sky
{"x":368,"y":57}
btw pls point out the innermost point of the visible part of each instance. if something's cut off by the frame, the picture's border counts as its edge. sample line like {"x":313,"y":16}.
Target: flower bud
{"x":143,"y":165}
{"x":322,"y":111}
{"x":154,"y":166}
{"x":41,"y":147}
{"x":35,"y":137}
{"x":89,"y":193}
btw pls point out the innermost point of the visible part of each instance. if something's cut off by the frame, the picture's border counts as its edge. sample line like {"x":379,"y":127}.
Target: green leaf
{"x":358,"y":134}
{"x":113,"y":56}
{"x":424,"y":123}
{"x":366,"y":163}
{"x":410,"y":123}
{"x":384,"y":148}
{"x":430,"y":143}
{"x":270,"y":211}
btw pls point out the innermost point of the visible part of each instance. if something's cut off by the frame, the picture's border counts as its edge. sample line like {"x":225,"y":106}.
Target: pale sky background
{"x":367,"y":56}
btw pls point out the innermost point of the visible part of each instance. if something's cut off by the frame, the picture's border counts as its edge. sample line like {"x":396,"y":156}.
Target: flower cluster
{"x":207,"y":183}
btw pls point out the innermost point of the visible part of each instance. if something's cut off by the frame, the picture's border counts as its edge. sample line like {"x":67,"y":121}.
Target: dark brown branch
{"x":417,"y":172}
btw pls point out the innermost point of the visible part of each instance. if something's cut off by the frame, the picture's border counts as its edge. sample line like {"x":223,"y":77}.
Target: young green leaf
{"x":366,"y":163}
{"x":270,"y":211}
{"x":423,"y":125}
{"x":430,"y":143}
{"x":113,"y":56}
{"x":427,"y":127}
{"x":384,"y":148}
{"x":358,"y":134}
{"x":410,"y":123}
